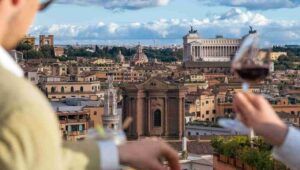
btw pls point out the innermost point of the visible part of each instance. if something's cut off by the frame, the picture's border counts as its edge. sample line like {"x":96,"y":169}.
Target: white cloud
{"x":118,"y":4}
{"x":255,"y":4}
{"x":233,"y":23}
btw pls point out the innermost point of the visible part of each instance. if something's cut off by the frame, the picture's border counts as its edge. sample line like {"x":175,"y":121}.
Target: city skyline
{"x":167,"y":21}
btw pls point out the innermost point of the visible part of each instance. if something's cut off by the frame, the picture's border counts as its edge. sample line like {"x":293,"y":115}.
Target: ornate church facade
{"x":157,"y":109}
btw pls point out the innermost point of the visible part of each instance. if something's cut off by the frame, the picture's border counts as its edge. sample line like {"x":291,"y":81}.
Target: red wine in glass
{"x":253,"y":73}
{"x":250,"y":63}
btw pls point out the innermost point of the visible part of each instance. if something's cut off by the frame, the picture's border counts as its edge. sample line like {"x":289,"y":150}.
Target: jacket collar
{"x":7,"y":62}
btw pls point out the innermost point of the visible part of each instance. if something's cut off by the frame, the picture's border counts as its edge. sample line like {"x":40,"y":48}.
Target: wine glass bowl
{"x":250,"y":62}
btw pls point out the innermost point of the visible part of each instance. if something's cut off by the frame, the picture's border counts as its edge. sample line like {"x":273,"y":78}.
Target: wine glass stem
{"x":251,"y":135}
{"x":245,"y":87}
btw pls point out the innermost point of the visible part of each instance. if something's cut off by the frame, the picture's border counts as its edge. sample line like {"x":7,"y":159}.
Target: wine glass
{"x":252,"y":65}
{"x":250,"y":62}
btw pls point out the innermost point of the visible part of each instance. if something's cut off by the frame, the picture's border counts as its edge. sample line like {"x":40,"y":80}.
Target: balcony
{"x":75,"y":133}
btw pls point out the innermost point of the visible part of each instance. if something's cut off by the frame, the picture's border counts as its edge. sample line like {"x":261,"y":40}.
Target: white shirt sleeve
{"x":288,"y":152}
{"x":109,"y":155}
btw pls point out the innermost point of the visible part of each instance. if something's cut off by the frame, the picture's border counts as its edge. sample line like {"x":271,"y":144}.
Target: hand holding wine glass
{"x":256,"y":112}
{"x":252,"y":66}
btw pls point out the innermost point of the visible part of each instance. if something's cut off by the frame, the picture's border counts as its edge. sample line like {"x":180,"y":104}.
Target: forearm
{"x":275,"y":134}
{"x":288,"y":152}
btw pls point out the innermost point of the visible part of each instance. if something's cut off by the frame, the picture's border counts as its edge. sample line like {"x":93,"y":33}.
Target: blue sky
{"x":166,"y":21}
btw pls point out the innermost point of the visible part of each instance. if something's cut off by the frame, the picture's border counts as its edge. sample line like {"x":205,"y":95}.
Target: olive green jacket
{"x":29,"y":132}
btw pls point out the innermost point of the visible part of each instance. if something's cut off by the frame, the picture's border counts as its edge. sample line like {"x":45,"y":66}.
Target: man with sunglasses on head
{"x":29,"y":134}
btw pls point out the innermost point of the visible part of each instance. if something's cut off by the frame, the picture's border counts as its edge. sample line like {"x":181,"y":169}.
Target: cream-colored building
{"x":102,"y":61}
{"x":83,"y":68}
{"x":196,"y":78}
{"x":197,"y":48}
{"x":57,"y":91}
{"x":59,"y":51}
{"x":204,"y":107}
{"x":275,"y":55}
{"x":28,"y":39}
{"x":59,"y":69}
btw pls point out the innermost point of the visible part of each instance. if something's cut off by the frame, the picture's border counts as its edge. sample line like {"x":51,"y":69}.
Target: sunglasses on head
{"x":44,"y":4}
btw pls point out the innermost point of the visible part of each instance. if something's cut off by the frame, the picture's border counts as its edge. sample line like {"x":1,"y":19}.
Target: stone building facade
{"x":197,"y":48}
{"x":157,"y":109}
{"x":28,"y":39}
{"x":47,"y":40}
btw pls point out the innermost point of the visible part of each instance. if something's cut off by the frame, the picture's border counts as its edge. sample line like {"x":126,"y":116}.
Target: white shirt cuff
{"x":288,"y":152}
{"x":109,"y":155}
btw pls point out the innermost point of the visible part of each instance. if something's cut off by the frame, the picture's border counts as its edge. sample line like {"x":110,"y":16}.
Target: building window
{"x":62,"y":89}
{"x":72,"y":89}
{"x":207,"y":102}
{"x":207,"y":112}
{"x":157,"y":118}
{"x":214,"y":112}
{"x":95,"y":113}
{"x":81,"y":89}
{"x":189,"y":133}
{"x":52,"y":89}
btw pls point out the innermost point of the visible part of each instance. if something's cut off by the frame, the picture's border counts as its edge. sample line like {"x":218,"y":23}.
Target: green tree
{"x":32,"y":54}
{"x":48,"y":51}
{"x":23,"y":46}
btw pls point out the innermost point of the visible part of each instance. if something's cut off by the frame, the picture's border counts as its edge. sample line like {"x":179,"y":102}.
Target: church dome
{"x":140,"y":57}
{"x":121,"y":57}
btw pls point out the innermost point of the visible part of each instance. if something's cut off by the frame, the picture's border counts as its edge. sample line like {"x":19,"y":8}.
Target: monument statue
{"x":192,"y":31}
{"x":252,"y":31}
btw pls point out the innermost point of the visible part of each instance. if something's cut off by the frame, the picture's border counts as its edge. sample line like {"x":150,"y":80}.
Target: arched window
{"x":81,"y":89}
{"x":52,"y":89}
{"x":157,"y":118}
{"x":62,"y":89}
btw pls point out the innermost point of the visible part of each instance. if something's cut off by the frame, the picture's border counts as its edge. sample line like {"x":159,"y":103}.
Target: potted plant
{"x":217,"y":144}
{"x":230,"y":150}
{"x":250,"y":157}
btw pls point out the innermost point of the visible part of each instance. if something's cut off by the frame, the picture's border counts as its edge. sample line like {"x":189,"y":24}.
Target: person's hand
{"x":256,"y":112}
{"x":146,"y":155}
